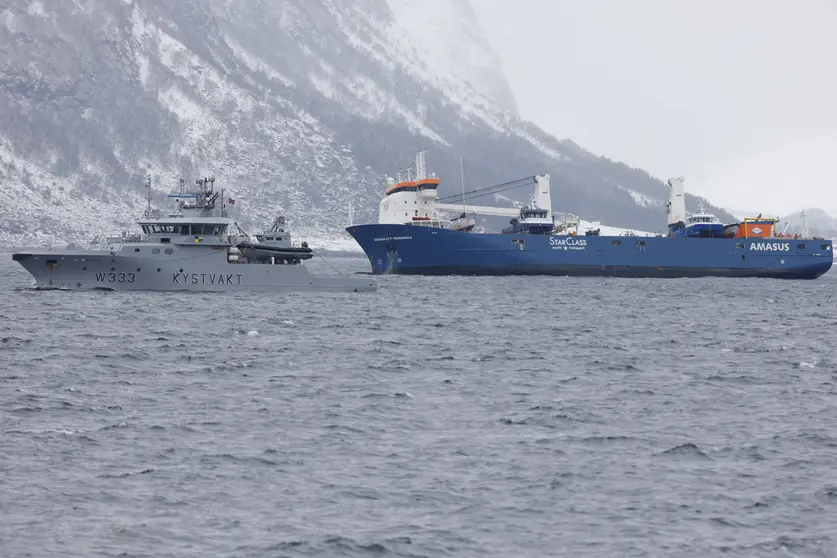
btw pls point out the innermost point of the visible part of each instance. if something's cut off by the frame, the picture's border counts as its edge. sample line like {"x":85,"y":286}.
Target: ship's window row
{"x":186,"y":230}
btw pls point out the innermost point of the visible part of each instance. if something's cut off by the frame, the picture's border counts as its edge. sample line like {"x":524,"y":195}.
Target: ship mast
{"x":462,"y":180}
{"x":148,"y":196}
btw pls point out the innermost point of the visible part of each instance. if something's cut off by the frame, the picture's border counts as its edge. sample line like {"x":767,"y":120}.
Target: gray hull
{"x":133,"y":267}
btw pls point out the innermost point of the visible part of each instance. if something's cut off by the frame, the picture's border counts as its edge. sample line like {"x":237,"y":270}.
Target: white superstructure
{"x":412,"y":199}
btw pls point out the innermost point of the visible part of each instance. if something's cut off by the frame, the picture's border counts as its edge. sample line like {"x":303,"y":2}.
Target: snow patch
{"x":257,"y":65}
{"x":180,"y":104}
{"x":36,"y":8}
{"x":642,"y":199}
{"x":605,"y":230}
{"x":142,"y":69}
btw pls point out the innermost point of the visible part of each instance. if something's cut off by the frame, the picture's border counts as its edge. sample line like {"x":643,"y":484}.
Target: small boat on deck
{"x":275,"y":245}
{"x":703,"y":225}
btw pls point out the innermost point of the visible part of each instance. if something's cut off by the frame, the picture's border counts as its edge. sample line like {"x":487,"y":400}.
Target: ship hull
{"x":202,"y":270}
{"x":405,"y":249}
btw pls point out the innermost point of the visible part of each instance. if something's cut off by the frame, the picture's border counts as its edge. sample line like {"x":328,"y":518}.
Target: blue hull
{"x":407,"y":249}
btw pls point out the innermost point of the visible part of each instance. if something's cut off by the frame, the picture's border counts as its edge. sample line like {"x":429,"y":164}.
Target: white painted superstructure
{"x":412,"y":199}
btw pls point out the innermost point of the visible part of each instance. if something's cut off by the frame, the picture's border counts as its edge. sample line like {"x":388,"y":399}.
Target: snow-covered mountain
{"x":296,"y":106}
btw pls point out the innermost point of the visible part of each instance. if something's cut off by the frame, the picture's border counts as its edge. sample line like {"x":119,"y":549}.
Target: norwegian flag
{"x":232,"y":201}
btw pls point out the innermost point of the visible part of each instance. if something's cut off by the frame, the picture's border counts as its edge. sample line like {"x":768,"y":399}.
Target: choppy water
{"x":438,"y":417}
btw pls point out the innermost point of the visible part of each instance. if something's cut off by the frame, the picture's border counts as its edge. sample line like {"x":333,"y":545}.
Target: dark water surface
{"x":438,"y":417}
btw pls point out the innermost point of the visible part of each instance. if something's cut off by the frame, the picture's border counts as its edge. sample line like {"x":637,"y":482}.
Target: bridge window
{"x":136,"y":249}
{"x":157,"y":229}
{"x":155,"y":251}
{"x":823,"y":246}
{"x":739,"y":245}
{"x":800,"y":246}
{"x":169,"y":251}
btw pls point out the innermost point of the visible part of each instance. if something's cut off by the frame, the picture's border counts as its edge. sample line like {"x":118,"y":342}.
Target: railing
{"x":103,"y":242}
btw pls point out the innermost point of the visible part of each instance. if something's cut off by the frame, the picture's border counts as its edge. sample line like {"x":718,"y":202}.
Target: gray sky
{"x":739,"y":97}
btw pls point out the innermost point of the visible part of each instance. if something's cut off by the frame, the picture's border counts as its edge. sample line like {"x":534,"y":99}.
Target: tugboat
{"x":196,"y":248}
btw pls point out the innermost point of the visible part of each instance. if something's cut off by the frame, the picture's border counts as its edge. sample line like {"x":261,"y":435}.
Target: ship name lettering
{"x":115,"y":277}
{"x":385,"y":238}
{"x":207,"y":278}
{"x":777,"y":246}
{"x":567,"y":243}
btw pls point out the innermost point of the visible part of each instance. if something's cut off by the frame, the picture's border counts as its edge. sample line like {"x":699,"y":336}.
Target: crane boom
{"x":479,"y":209}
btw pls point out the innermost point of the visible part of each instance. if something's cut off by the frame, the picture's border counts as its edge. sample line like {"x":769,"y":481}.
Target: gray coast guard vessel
{"x":197,"y":248}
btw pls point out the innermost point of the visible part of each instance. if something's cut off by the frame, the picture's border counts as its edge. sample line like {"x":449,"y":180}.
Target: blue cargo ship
{"x":410,"y":238}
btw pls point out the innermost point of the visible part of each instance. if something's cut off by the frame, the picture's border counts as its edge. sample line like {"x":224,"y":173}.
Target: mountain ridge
{"x":298,"y":107}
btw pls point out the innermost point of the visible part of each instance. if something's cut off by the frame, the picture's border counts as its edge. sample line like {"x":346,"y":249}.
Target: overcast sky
{"x":739,"y":97}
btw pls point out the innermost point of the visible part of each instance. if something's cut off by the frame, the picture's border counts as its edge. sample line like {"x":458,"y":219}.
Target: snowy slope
{"x":298,"y":107}
{"x":443,"y":44}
